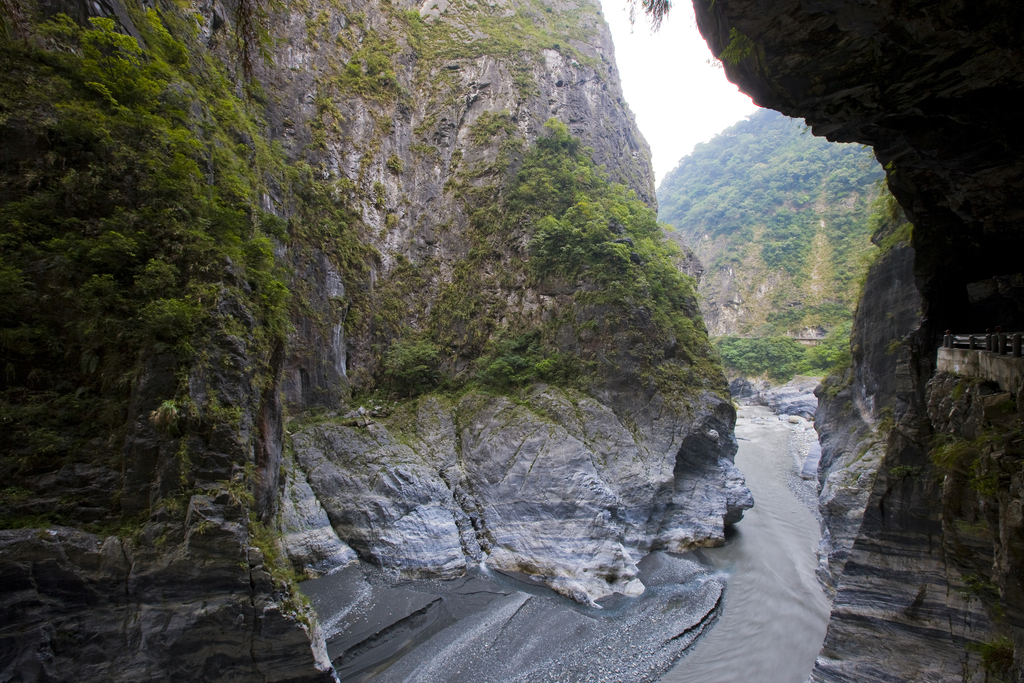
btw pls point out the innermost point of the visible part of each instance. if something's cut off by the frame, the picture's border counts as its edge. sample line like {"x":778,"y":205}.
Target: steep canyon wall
{"x":285,"y":286}
{"x":930,"y":588}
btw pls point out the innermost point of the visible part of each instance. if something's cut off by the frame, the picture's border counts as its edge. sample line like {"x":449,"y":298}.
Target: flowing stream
{"x":489,"y":626}
{"x":775,"y":613}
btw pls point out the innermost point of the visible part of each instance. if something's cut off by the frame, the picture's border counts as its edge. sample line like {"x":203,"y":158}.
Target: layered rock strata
{"x":920,"y":83}
{"x":933,"y":603}
{"x":859,"y":408}
{"x":80,"y":606}
{"x":555,"y":487}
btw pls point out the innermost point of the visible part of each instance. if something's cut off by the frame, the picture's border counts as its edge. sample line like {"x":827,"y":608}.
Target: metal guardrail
{"x":996,"y":341}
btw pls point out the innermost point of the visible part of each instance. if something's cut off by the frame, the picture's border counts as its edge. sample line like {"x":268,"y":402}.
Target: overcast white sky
{"x":678,"y":98}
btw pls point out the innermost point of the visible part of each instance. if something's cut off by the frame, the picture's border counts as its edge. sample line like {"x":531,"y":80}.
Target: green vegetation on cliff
{"x":560,"y":226}
{"x":162,"y":259}
{"x":780,"y":220}
{"x":125,"y":221}
{"x":197,"y":247}
{"x":780,"y":358}
{"x":131,"y":229}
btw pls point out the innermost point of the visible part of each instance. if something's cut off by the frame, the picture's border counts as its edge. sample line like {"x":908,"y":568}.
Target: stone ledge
{"x":1006,"y":370}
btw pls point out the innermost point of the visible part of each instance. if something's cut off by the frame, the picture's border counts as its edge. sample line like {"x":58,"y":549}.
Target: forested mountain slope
{"x":779,"y":219}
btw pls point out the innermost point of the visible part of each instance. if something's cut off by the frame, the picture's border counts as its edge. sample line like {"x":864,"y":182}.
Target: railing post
{"x":988,"y":342}
{"x":945,"y":340}
{"x":972,"y":342}
{"x":1016,"y":345}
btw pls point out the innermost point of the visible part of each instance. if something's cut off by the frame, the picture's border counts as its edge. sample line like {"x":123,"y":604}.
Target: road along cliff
{"x":922,"y":84}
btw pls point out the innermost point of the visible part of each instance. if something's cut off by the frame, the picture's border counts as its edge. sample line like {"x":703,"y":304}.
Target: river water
{"x":493,"y":627}
{"x":775,"y":613}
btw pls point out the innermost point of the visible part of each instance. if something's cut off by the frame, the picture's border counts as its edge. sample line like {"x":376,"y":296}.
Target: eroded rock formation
{"x":555,"y":487}
{"x":857,"y":409}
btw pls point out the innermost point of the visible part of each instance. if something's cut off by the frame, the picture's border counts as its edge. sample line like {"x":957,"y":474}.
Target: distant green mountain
{"x":780,"y":220}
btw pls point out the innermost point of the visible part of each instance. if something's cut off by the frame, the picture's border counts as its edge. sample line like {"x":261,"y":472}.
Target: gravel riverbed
{"x":493,"y":627}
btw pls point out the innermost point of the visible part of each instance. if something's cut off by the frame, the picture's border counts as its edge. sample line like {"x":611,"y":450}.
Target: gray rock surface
{"x":905,"y":605}
{"x":556,"y":487}
{"x":903,"y":599}
{"x":383,"y":499}
{"x":77,"y":606}
{"x":796,"y":397}
{"x":858,"y":409}
{"x":307,"y":535}
{"x":748,"y":391}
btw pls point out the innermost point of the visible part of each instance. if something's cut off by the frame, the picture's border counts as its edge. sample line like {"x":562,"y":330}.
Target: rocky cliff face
{"x":857,"y":410}
{"x":917,"y":82}
{"x":555,"y":486}
{"x":427,"y":165}
{"x":437,"y":208}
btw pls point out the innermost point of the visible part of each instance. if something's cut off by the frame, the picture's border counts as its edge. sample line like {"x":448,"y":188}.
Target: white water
{"x":775,"y":613}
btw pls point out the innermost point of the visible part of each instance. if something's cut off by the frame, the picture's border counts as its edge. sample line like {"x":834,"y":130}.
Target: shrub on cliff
{"x":832,"y":354}
{"x":779,"y":358}
{"x":411,"y":365}
{"x":626,"y":304}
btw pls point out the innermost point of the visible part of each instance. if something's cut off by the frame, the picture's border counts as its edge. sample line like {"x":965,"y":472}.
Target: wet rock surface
{"x":491,"y":626}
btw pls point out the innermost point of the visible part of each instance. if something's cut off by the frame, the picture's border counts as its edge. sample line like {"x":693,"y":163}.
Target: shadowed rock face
{"x":857,"y":409}
{"x":928,"y":86}
{"x":81,"y":607}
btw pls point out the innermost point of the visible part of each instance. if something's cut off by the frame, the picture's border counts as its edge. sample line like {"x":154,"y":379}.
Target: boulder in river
{"x":796,"y":397}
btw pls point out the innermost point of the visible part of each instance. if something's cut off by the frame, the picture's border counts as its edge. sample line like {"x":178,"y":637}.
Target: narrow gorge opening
{"x":355,"y":340}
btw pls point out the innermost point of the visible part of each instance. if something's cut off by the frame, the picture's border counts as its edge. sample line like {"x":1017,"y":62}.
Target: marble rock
{"x":796,"y":397}
{"x":308,"y":537}
{"x":382,"y":498}
{"x":556,"y":487}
